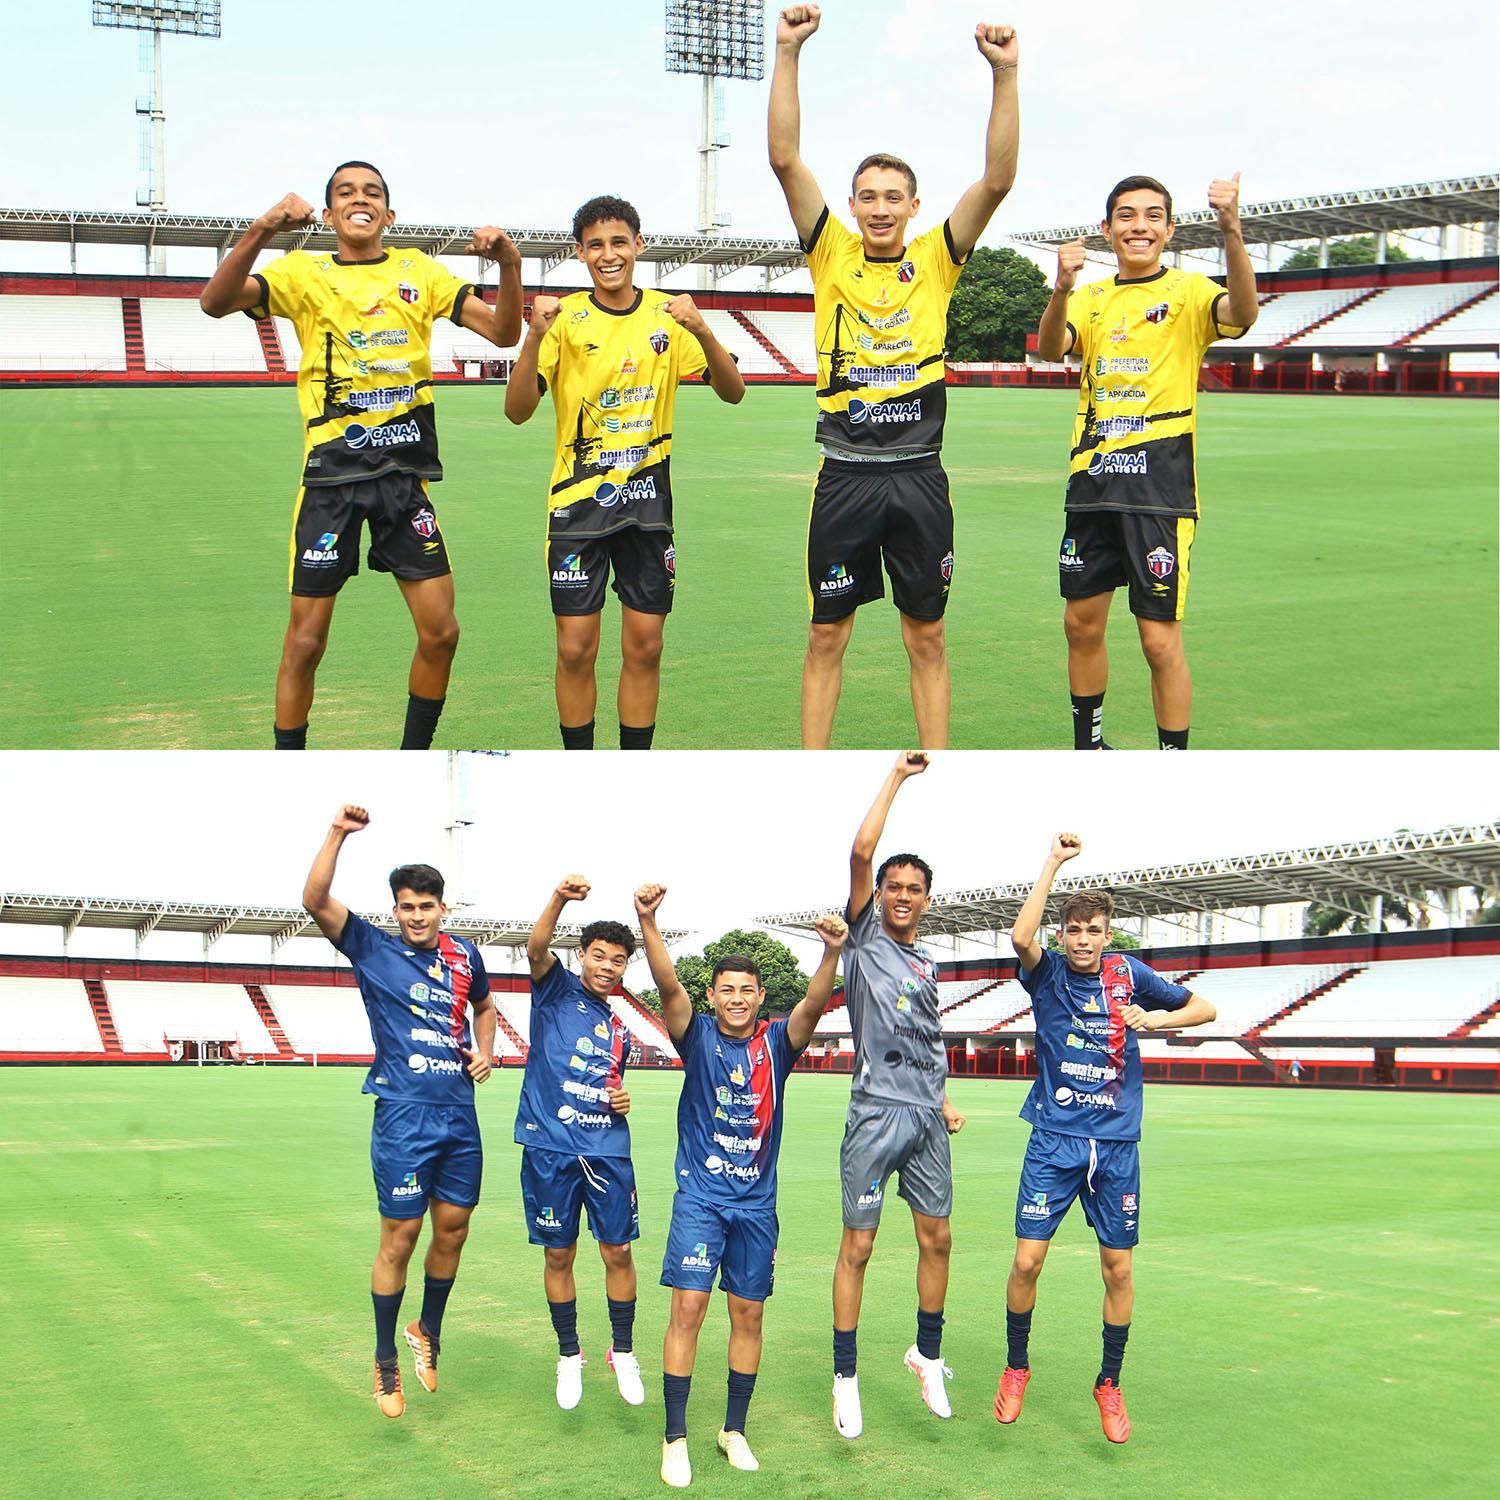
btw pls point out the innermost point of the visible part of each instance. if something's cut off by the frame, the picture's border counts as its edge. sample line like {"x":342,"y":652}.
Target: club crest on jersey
{"x":1118,"y":992}
{"x":408,"y":292}
{"x":946,"y":568}
{"x":659,"y":340}
{"x":1161,"y":562}
{"x":669,"y":560}
{"x":1157,"y":314}
{"x":424,"y":523}
{"x":906,"y":272}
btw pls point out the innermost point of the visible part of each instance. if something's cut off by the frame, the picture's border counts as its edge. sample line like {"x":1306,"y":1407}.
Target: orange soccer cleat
{"x":424,"y":1355}
{"x":1011,"y":1393}
{"x":1112,"y":1416}
{"x":388,"y":1395}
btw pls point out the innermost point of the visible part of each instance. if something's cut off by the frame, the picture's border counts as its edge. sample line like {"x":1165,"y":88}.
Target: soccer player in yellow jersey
{"x":612,"y":358}
{"x":1132,"y":503}
{"x":881,"y":313}
{"x":364,"y":318}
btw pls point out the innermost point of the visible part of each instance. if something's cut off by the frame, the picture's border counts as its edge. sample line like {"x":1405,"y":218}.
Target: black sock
{"x":290,"y":739}
{"x":843,"y":1350}
{"x":422,"y":715}
{"x":1171,"y":739}
{"x":622,"y":1324}
{"x":434,"y":1299}
{"x":632,"y":738}
{"x":1088,"y":720}
{"x":565,"y":1325}
{"x":578,"y":736}
{"x":930,"y":1334}
{"x":387,"y":1311}
{"x":1017,"y":1336}
{"x":674,"y":1390}
{"x":1115,"y":1335}
{"x":741,"y":1388}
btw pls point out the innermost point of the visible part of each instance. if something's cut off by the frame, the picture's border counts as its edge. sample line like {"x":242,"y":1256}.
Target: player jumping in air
{"x":729,"y":1118}
{"x":612,"y":357}
{"x":899,"y":1116}
{"x":364,"y":317}
{"x":1132,"y":501}
{"x":1085,"y":1112}
{"x":571,"y":1122}
{"x":418,"y":989}
{"x":881,"y":316}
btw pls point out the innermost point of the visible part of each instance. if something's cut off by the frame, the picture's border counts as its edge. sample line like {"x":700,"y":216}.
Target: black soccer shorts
{"x":644,"y":563}
{"x":1103,"y":550}
{"x":404,"y":534}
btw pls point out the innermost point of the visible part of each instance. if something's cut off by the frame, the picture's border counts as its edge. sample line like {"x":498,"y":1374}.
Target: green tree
{"x":785,"y":983}
{"x":1353,"y":252}
{"x":998,"y":301}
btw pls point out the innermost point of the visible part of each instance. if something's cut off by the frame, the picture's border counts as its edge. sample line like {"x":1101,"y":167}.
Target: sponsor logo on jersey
{"x":724,"y":1096}
{"x":1119,"y":463}
{"x":902,"y":1003}
{"x":584,"y":1046}
{"x":871,"y":1195}
{"x":737,"y":1076}
{"x":1161,"y":562}
{"x":1091,"y":1005}
{"x":396,"y":435}
{"x":698,"y":1260}
{"x":897,"y":319}
{"x":602,"y":1030}
{"x":417,"y":1063}
{"x":609,"y":398}
{"x":578,"y":317}
{"x":1124,"y":393}
{"x":577,"y":1064}
{"x":1076,"y":1041}
{"x":382,"y":366}
{"x":611,"y":424}
{"x":570,"y":1116}
{"x":1120,"y":332}
{"x":324,"y":552}
{"x":571,"y":573}
{"x":547,"y":1219}
{"x":1127,"y":365}
{"x":1157,"y":314}
{"x":1108,"y":427}
{"x":659,"y":340}
{"x":1086,"y":1072}
{"x":871,"y":375}
{"x":408,"y":1187}
{"x":633,"y":395}
{"x":879,"y":412}
{"x":636,"y":424}
{"x":621,"y":458}
{"x":628,"y":366}
{"x":837,"y":580}
{"x":384,"y":398}
{"x":408,"y":292}
{"x":622,"y":494}
{"x":431,"y":1038}
{"x":1068,"y":557}
{"x":359,"y":339}
{"x":715,"y":1164}
{"x":1037,"y":1208}
{"x":585,"y":1091}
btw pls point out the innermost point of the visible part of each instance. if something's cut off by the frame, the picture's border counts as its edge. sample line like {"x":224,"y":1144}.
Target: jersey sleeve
{"x":479,"y":981}
{"x":358,"y":939}
{"x":549,"y":353}
{"x":282,"y":288}
{"x":1152,"y":992}
{"x":944,"y":260}
{"x":1078,"y":321}
{"x":781,"y":1046}
{"x":691,"y":360}
{"x":446,"y":292}
{"x":829,"y":239}
{"x":552,"y":986}
{"x":1031,"y":979}
{"x":691,"y":1040}
{"x":1207,"y":297}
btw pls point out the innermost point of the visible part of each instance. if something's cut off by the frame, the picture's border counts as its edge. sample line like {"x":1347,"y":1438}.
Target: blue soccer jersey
{"x":1088,"y":1061}
{"x":418,"y":1003}
{"x":578,"y":1045}
{"x":729,"y":1111}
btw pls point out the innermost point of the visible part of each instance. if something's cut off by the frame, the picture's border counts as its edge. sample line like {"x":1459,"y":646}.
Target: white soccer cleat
{"x":676,"y":1466}
{"x":569,"y":1381}
{"x":734,"y":1447}
{"x":848,"y":1419}
{"x":627,"y":1370}
{"x":933,"y":1375}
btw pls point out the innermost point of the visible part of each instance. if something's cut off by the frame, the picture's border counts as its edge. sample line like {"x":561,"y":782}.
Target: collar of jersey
{"x":384,"y":256}
{"x":886,"y":260}
{"x":618,"y":312}
{"x":1156,"y":275}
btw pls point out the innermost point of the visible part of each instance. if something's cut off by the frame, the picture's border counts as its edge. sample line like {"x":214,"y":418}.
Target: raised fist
{"x":544,"y":312}
{"x":1066,"y":846}
{"x":573,"y":887}
{"x":796,"y":23}
{"x":1070,"y":259}
{"x":291,"y":213}
{"x":351,"y":818}
{"x":833,"y":929}
{"x":911,"y":763}
{"x":684,"y":311}
{"x":648,"y":898}
{"x":493,"y":244}
{"x":997,"y":45}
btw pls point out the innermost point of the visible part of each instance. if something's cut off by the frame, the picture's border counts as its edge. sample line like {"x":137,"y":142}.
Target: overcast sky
{"x":515,"y":114}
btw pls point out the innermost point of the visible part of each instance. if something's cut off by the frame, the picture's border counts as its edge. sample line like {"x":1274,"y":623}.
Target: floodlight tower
{"x":716,"y":39}
{"x":462,"y":815}
{"x":186,"y":18}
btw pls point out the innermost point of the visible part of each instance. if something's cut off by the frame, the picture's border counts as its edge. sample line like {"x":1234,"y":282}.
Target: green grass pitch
{"x":185,"y":1303}
{"x":1343,"y":584}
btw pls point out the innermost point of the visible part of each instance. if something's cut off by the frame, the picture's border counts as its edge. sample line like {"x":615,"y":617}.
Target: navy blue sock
{"x":741,"y":1388}
{"x":636,"y":736}
{"x":578,"y":736}
{"x":674,"y":1390}
{"x":1115,"y":1335}
{"x":435,"y":1291}
{"x":387,"y":1311}
{"x":1017,"y":1336}
{"x":565,"y":1325}
{"x":290,"y":739}
{"x":843,"y":1350}
{"x":930,"y":1334}
{"x":622,"y":1324}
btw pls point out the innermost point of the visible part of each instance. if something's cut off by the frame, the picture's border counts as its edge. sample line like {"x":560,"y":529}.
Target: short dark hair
{"x":884,"y":159}
{"x":1085,"y":905}
{"x":597,"y":210}
{"x":328,"y":188}
{"x":1131,"y":185}
{"x":421,"y":880}
{"x":736,"y":963}
{"x":607,"y":932}
{"x":914,"y":860}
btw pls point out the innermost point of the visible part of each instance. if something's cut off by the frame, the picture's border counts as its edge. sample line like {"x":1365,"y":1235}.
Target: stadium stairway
{"x":1008,"y":1020}
{"x":1281,"y":1072}
{"x":268,"y":1018}
{"x":1260,"y":1027}
{"x":764,"y":342}
{"x":965,"y":1000}
{"x":513,"y":1036}
{"x":1338,"y":312}
{"x":1438,"y":322}
{"x":1469,"y":1027}
{"x":103,"y":1017}
{"x":270,"y":345}
{"x":653,"y":1022}
{"x":135,"y":340}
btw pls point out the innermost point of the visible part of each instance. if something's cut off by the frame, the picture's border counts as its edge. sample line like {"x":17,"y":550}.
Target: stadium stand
{"x":1391,"y":314}
{"x":752,"y":356}
{"x":1410,"y":997}
{"x":793,"y":334}
{"x":146,"y":1011}
{"x":324,"y":1021}
{"x":1476,"y":323}
{"x":177,"y":336}
{"x":46,"y":1015}
{"x":62,"y":333}
{"x":1285,"y":315}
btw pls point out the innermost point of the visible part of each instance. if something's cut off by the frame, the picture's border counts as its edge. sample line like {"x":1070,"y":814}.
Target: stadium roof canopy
{"x":1318,"y":216}
{"x":147,"y":231}
{"x":1402,"y":866}
{"x":279,"y":924}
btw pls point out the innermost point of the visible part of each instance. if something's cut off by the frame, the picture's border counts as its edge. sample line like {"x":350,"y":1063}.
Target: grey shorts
{"x":883,"y":1138}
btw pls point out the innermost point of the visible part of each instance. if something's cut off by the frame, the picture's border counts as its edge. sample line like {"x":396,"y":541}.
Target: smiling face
{"x":903,"y":899}
{"x":419,"y":916}
{"x":737,"y":997}
{"x":1084,"y":940}
{"x":601,"y":966}
{"x":608,"y":249}
{"x":1139,"y":229}
{"x":357,"y":211}
{"x":882,"y":206}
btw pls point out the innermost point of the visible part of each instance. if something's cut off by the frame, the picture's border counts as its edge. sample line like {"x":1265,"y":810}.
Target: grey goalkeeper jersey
{"x":891,"y":990}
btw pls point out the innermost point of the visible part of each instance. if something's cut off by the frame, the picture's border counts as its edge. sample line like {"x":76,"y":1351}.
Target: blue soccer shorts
{"x":1104,"y":1175}
{"x":738,"y":1243}
{"x":556,"y":1186}
{"x":422,"y":1151}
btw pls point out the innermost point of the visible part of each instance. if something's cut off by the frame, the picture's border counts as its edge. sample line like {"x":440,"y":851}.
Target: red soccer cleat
{"x":1112,"y":1417}
{"x":1011,"y":1393}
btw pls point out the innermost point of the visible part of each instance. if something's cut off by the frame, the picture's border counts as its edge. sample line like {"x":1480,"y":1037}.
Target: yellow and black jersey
{"x":365,"y":382}
{"x":613,"y":377}
{"x":881,"y":328}
{"x":1141,"y":343}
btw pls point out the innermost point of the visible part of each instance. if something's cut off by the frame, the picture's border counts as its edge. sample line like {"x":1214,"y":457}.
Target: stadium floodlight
{"x":182,"y":18}
{"x":715,"y":39}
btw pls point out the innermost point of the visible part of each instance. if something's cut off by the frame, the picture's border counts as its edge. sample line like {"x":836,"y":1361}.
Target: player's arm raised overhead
{"x":1002,"y":138}
{"x":1053,"y":336}
{"x":676,"y":1005}
{"x":1241,"y":307}
{"x":723,"y":374}
{"x":330,"y":914}
{"x":808,"y":1011}
{"x":523,"y":392}
{"x":862,"y":855}
{"x":1025,"y":932}
{"x":784,"y":123}
{"x":539,"y":952}
{"x":232,"y":288}
{"x":500,"y":324}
